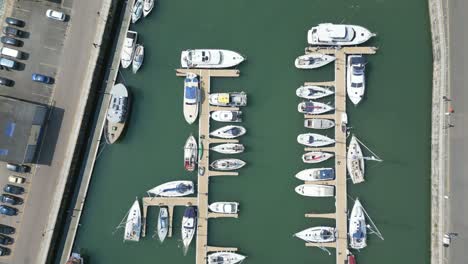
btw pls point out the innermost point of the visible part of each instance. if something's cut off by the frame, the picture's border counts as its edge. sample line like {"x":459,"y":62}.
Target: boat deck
{"x":204,"y":141}
{"x":339,"y":148}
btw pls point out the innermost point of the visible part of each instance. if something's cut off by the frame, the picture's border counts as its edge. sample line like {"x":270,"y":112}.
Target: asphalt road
{"x":457,"y":182}
{"x":61,"y":50}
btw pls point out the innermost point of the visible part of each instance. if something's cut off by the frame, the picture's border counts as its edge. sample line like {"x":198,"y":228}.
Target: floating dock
{"x":339,"y":149}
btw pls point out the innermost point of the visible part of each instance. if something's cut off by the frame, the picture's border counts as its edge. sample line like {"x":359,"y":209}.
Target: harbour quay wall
{"x":439,"y":135}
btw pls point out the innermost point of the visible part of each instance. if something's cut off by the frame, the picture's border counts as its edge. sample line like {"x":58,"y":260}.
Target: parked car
{"x":11,"y":31}
{"x":5,"y":81}
{"x":11,"y":41}
{"x":14,"y":22}
{"x":4,"y":229}
{"x":6,"y":51}
{"x":6,"y":240}
{"x":18,"y":167}
{"x":10,"y":199}
{"x":8,"y":210}
{"x":56,"y":15}
{"x":16,"y":179}
{"x":13,"y":189}
{"x":7,"y":63}
{"x":4,"y":251}
{"x":42,"y":78}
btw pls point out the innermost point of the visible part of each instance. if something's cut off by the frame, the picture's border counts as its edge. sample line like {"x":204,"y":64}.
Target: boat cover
{"x":191,"y":92}
{"x":327,"y":174}
{"x":180,"y":188}
{"x":223,"y":98}
{"x":190,"y":212}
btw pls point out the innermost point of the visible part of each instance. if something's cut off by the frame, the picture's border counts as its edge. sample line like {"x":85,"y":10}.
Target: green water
{"x":394,"y":120}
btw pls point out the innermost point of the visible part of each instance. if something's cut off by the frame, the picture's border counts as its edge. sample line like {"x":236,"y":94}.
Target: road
{"x":72,"y":64}
{"x":458,"y":176}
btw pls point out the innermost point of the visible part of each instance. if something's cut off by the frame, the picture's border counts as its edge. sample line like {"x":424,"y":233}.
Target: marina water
{"x":393,"y":120}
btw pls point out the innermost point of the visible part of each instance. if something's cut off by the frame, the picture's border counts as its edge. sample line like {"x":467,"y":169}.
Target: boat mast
{"x":374,"y":156}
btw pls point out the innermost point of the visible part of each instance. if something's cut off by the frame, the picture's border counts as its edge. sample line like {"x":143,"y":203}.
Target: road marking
{"x":50,"y":48}
{"x":48,"y":65}
{"x":21,"y":9}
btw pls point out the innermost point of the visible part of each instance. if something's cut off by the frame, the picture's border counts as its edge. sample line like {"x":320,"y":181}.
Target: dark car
{"x":8,"y":210}
{"x":10,"y":31}
{"x":4,"y":229}
{"x":13,"y":189}
{"x":18,"y":167}
{"x":4,"y":251}
{"x":6,"y":82}
{"x":42,"y":78}
{"x":10,"y":199}
{"x":11,"y":41}
{"x":6,"y":240}
{"x":14,"y":22}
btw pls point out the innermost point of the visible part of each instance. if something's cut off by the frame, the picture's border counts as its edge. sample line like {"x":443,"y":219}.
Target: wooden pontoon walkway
{"x":339,"y":148}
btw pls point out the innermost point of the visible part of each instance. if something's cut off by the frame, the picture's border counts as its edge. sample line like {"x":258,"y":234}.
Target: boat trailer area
{"x":204,"y":172}
{"x":339,"y":149}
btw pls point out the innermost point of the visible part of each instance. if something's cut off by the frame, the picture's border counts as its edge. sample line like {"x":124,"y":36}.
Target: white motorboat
{"x":128,"y":49}
{"x":338,"y":35}
{"x":210,"y":58}
{"x":147,"y":7}
{"x":355,"y":78}
{"x":319,"y":123}
{"x":315,"y":190}
{"x":355,"y":161}
{"x":313,"y":61}
{"x":224,"y":207}
{"x":316,"y":156}
{"x":133,"y":224}
{"x":313,"y":108}
{"x":229,"y":132}
{"x":344,"y":122}
{"x":75,"y":258}
{"x":173,"y":189}
{"x":313,"y":92}
{"x":357,"y":227}
{"x":314,"y":140}
{"x":137,"y":10}
{"x":229,"y":148}
{"x":189,"y":226}
{"x":117,"y":112}
{"x":227,"y":164}
{"x":318,"y":234}
{"x":227,"y":116}
{"x":225,"y":258}
{"x":316,"y":174}
{"x":138,"y":58}
{"x":163,"y":223}
{"x":228,"y":99}
{"x":191,"y":97}
{"x":190,"y":153}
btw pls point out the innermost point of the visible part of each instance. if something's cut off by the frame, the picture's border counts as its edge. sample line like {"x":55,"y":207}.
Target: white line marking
{"x":48,"y":65}
{"x":21,"y":9}
{"x":50,"y":48}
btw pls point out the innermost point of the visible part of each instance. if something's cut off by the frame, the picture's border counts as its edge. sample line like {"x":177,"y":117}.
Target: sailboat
{"x":313,"y":60}
{"x":147,"y":7}
{"x":319,"y":123}
{"x":314,"y":140}
{"x":318,"y":234}
{"x":189,"y":224}
{"x":225,"y":258}
{"x":137,"y":10}
{"x":229,"y":131}
{"x":316,"y":156}
{"x":313,"y":108}
{"x":163,"y":223}
{"x":227,"y":164}
{"x":229,"y":148}
{"x":173,"y":189}
{"x":313,"y":92}
{"x":138,"y":58}
{"x":355,"y":161}
{"x":133,"y":224}
{"x":117,"y":112}
{"x":190,"y":153}
{"x":357,"y":227}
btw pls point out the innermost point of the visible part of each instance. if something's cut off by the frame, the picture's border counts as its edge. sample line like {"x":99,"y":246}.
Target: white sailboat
{"x":137,"y":10}
{"x":117,"y":112}
{"x":355,"y":78}
{"x":227,"y":164}
{"x":191,"y":97}
{"x":229,"y":132}
{"x":227,"y":116}
{"x":316,"y":156}
{"x":189,"y":226}
{"x":225,"y":258}
{"x":319,"y":123}
{"x":229,"y":148}
{"x":163,"y":223}
{"x":313,"y":61}
{"x":147,"y":7}
{"x":133,"y":224}
{"x":314,"y":140}
{"x":357,"y":227}
{"x":128,"y":49}
{"x":190,"y":153}
{"x":173,"y":189}
{"x":224,"y":207}
{"x":338,"y":35}
{"x":318,"y":234}
{"x":313,"y":108}
{"x":313,"y":92}
{"x":210,"y":58}
{"x":316,"y":174}
{"x":315,"y":190}
{"x":138,"y":58}
{"x":355,"y":161}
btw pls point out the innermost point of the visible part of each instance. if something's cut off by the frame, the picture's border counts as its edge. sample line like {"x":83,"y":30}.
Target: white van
{"x":11,"y":52}
{"x":8,"y":63}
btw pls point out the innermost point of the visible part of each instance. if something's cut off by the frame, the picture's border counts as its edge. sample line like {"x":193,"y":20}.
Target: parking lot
{"x":42,"y":48}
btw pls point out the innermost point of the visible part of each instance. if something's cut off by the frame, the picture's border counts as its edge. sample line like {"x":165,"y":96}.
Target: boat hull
{"x":137,"y":11}
{"x":189,"y":226}
{"x":133,"y":224}
{"x":355,"y":89}
{"x":316,"y":174}
{"x":234,"y":99}
{"x":318,"y":234}
{"x":227,"y":116}
{"x":314,"y":140}
{"x":229,"y":132}
{"x":228,"y":59}
{"x":313,"y":92}
{"x":315,"y":190}
{"x":316,"y":156}
{"x":355,"y":161}
{"x":138,"y":58}
{"x":361,"y":35}
{"x":313,"y":61}
{"x":313,"y":108}
{"x":147,"y":7}
{"x":225,"y":258}
{"x":319,"y":123}
{"x":128,"y":49}
{"x":190,"y":153}
{"x":191,"y":97}
{"x":357,"y":227}
{"x":163,"y":223}
{"x":227,"y":164}
{"x":224,"y":207}
{"x":173,"y":189}
{"x":113,"y":129}
{"x":229,"y":148}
